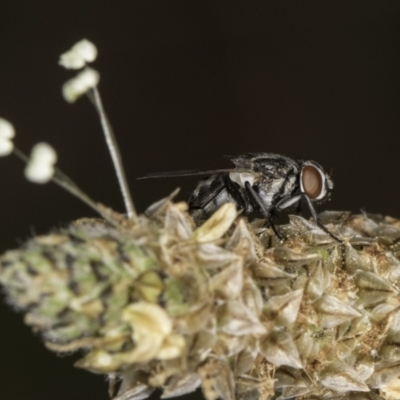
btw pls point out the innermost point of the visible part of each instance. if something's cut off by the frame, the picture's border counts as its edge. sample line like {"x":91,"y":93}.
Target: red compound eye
{"x":312,"y":181}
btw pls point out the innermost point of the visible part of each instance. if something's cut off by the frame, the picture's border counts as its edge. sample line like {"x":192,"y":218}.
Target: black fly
{"x":261,"y":182}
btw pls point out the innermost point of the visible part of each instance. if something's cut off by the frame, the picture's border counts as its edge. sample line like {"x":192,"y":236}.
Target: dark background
{"x":185,"y":83}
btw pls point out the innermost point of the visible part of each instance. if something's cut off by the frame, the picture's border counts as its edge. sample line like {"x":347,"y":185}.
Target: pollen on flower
{"x":82,"y":83}
{"x":81,"y":53}
{"x":7,"y":132}
{"x":40,"y":168}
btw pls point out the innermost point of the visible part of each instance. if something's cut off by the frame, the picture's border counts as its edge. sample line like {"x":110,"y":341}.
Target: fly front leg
{"x":264,"y":211}
{"x":316,"y":219}
{"x":288,"y":202}
{"x":299,"y":208}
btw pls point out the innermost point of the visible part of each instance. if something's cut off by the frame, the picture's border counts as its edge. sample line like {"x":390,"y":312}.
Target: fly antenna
{"x":115,"y":153}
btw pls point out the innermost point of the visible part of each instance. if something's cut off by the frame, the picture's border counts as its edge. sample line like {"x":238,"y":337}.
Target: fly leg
{"x":266,"y":213}
{"x":299,"y":208}
{"x":234,"y":191}
{"x":272,"y":216}
{"x":316,"y":220}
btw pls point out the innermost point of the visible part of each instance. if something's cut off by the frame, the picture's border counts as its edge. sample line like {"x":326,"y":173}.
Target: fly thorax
{"x":290,"y":185}
{"x":241,"y":178}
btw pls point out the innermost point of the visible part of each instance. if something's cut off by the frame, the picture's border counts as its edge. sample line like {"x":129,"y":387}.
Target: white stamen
{"x":40,"y":168}
{"x":81,"y":53}
{"x":115,"y":155}
{"x":83,"y":82}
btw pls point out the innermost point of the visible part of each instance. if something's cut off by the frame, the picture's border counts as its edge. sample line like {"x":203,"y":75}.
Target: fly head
{"x":315,"y":183}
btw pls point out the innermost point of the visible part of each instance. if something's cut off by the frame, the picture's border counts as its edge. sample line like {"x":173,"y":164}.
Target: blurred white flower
{"x":40,"y":168}
{"x":83,"y":82}
{"x":81,"y":53}
{"x":7,"y":132}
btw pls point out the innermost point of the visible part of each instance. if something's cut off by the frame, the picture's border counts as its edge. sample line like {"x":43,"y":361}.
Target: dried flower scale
{"x":155,"y":301}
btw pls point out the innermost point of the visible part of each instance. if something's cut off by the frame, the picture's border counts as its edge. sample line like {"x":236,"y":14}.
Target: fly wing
{"x":271,"y":166}
{"x":245,"y":162}
{"x":170,"y":174}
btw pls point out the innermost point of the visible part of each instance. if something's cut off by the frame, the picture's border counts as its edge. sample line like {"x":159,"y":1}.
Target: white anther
{"x":6,"y":147}
{"x":7,"y":132}
{"x":6,"y":129}
{"x":86,"y":49}
{"x":83,"y":82}
{"x":40,"y":168}
{"x":71,"y":60}
{"x":81,"y":53}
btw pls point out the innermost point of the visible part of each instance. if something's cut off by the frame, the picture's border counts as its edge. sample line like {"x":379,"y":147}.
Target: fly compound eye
{"x":312,"y":182}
